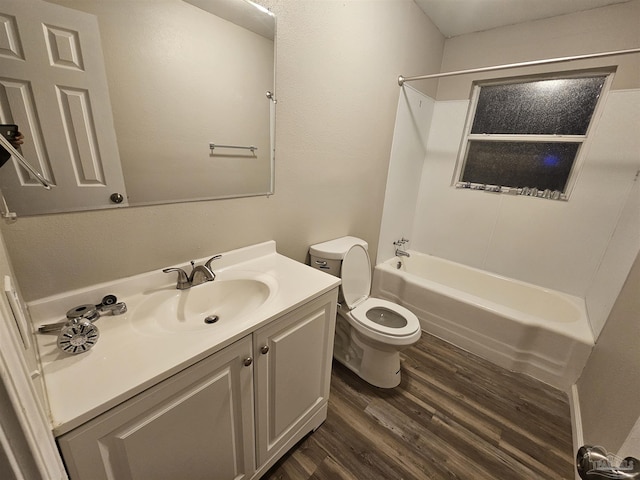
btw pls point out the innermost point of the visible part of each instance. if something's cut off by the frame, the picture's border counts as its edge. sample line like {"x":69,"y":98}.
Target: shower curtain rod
{"x":402,"y":80}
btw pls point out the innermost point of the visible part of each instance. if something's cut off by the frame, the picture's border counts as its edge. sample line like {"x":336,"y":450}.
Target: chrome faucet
{"x":400,"y":247}
{"x":199,"y":274}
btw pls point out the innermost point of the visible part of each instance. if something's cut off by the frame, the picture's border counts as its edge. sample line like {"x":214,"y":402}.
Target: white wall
{"x":336,"y":84}
{"x":598,"y":30}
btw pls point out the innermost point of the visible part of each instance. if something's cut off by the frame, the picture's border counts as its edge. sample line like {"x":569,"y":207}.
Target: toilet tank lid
{"x":336,"y":249}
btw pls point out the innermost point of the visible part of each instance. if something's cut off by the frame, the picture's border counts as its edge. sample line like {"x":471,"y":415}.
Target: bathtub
{"x":519,"y":326}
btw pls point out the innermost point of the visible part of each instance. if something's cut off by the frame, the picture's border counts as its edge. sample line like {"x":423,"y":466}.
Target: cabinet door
{"x":195,"y":425}
{"x":292,"y":372}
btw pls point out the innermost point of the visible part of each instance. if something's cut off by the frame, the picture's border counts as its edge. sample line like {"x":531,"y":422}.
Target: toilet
{"x":370,"y":332}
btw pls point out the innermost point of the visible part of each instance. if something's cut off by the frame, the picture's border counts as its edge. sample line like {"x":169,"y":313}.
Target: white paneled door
{"x":53,"y":86}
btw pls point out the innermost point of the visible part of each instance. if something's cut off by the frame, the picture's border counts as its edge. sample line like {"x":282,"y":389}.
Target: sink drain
{"x":211,"y":319}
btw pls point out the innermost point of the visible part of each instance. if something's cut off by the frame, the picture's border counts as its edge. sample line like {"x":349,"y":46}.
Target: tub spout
{"x":401,"y":253}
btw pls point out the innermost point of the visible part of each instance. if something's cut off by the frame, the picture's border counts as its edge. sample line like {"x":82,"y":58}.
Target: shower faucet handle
{"x":401,"y":242}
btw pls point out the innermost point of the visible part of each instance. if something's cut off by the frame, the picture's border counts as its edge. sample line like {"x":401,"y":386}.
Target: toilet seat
{"x":359,"y":314}
{"x":356,"y":285}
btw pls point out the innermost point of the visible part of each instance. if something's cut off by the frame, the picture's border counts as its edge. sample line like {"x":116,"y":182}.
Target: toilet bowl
{"x":370,"y":332}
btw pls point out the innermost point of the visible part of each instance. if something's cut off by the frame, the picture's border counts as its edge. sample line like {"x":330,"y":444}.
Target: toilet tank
{"x":327,"y":256}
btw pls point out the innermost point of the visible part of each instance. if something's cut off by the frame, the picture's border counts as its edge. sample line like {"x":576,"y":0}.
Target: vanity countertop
{"x":127,"y":359}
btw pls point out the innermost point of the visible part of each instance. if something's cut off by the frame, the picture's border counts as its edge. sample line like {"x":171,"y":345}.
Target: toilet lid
{"x":356,"y":276}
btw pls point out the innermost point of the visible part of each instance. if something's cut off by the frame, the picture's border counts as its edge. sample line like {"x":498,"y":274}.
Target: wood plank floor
{"x":454,"y":416}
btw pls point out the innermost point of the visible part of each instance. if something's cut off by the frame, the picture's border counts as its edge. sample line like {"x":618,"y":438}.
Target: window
{"x":525,"y":137}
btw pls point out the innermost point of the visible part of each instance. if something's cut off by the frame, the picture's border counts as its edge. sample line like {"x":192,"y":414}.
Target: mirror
{"x":176,"y":107}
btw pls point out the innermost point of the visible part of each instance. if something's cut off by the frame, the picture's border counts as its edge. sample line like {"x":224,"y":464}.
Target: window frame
{"x":583,"y":140}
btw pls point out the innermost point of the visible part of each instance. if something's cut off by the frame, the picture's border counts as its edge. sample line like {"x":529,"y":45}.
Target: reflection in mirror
{"x":126,"y":96}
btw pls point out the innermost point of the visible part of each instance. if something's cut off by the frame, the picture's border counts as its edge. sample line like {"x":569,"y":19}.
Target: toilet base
{"x":388,"y":379}
{"x":380,"y":368}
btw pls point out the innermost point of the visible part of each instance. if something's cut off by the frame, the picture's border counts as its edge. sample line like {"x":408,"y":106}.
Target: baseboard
{"x":576,"y":422}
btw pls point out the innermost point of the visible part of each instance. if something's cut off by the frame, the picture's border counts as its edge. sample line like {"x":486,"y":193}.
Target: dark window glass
{"x":520,"y":164}
{"x":544,"y":107}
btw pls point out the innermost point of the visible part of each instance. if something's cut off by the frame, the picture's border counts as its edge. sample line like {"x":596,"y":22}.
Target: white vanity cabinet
{"x":229,"y":416}
{"x":196,"y":422}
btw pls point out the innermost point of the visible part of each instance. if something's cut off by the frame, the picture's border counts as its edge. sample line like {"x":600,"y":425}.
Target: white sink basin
{"x":204,"y":307}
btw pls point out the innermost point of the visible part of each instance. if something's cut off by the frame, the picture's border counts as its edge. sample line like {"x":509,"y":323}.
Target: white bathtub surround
{"x":519,"y":326}
{"x":607,"y":281}
{"x":413,"y":122}
{"x":583,"y":247}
